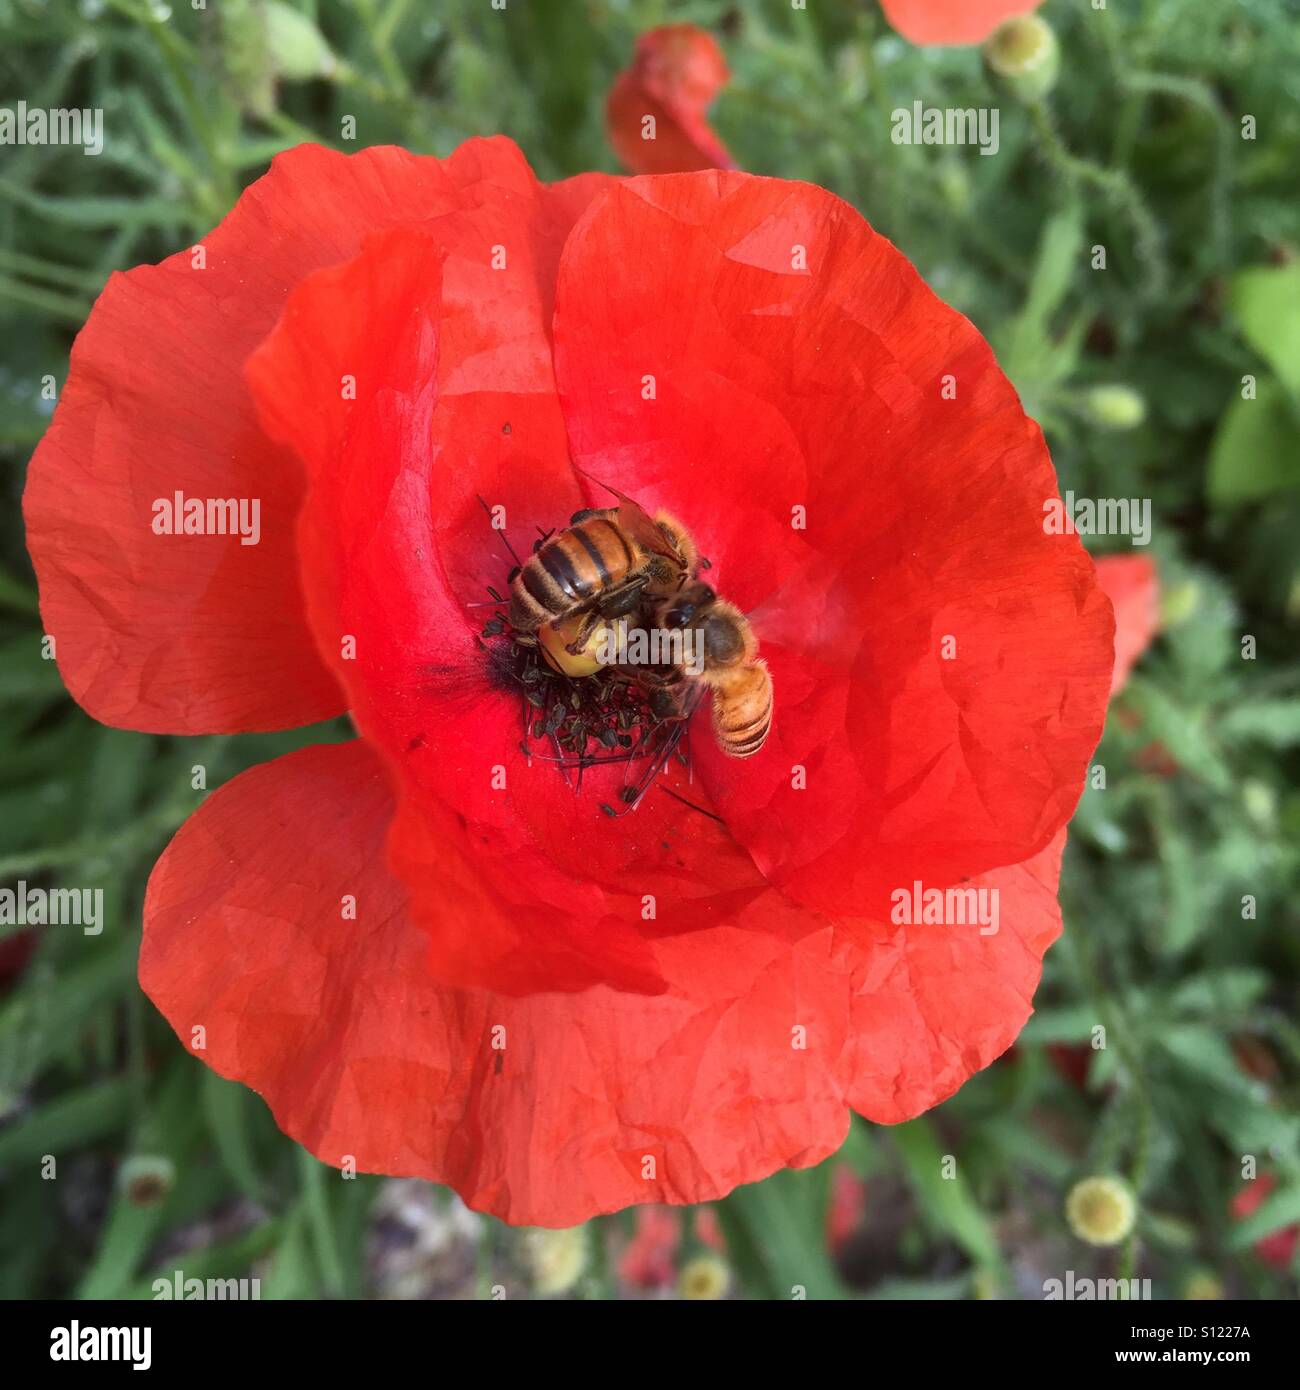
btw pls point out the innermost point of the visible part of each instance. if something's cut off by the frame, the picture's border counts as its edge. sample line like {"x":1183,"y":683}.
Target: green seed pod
{"x":298,"y":48}
{"x":1115,"y":407}
{"x":1022,"y":57}
{"x":146,"y":1180}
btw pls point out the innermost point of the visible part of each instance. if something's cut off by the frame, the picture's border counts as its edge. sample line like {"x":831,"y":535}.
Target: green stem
{"x":1114,"y":186}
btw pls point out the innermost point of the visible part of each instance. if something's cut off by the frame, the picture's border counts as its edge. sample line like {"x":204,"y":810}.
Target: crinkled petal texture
{"x":201,"y":633}
{"x":868,"y":488}
{"x":1130,"y":582}
{"x":548,"y":1109}
{"x":952,"y":21}
{"x":554,"y":1010}
{"x":748,"y":353}
{"x":656,"y":115}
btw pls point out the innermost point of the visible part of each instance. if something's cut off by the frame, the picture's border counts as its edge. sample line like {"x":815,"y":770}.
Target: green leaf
{"x":1185,"y":733}
{"x":76,"y":1119}
{"x":1274,"y":722}
{"x":1266,"y":301}
{"x":227,"y":1107}
{"x":1256,"y":450}
{"x":946,"y":1202}
{"x":776,"y":1234}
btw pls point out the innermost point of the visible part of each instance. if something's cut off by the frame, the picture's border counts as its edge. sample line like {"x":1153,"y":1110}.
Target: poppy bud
{"x":1023,"y":58}
{"x":1260,"y":801}
{"x":297,"y":47}
{"x":1178,"y":603}
{"x":1115,"y":407}
{"x":557,"y":1258}
{"x":704,"y":1277}
{"x":146,"y":1179}
{"x":1101,"y":1210}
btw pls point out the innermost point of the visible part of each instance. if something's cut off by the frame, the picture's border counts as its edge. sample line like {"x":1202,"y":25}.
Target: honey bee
{"x":728,"y":664}
{"x":603,"y":566}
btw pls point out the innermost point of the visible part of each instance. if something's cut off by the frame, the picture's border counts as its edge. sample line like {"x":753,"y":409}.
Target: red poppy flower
{"x":1129,"y":581}
{"x":15,"y":951}
{"x":429,"y":951}
{"x":952,"y":21}
{"x":649,"y":1259}
{"x":848,"y":1207}
{"x":656,"y":116}
{"x":1277,"y":1248}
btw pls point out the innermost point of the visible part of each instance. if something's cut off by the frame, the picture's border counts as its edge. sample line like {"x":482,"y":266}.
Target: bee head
{"x":686,"y":606}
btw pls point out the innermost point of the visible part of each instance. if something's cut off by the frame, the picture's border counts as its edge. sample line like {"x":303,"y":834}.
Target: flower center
{"x":583,"y":710}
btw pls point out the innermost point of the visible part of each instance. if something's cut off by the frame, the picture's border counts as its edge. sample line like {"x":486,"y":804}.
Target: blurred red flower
{"x":847,"y":1207}
{"x":649,"y":1259}
{"x":429,"y":953}
{"x":656,"y":114}
{"x":952,"y":21}
{"x":1278,"y":1248}
{"x":16,"y":950}
{"x":1129,"y":581}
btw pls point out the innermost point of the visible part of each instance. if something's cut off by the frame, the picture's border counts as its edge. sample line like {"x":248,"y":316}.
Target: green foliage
{"x":1179,"y":884}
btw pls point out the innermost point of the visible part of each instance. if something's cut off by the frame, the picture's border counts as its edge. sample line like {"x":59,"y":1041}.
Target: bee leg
{"x":589,"y":621}
{"x":618,"y":603}
{"x":671,"y":699}
{"x":614,"y":603}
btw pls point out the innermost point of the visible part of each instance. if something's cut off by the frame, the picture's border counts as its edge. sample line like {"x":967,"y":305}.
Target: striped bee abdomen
{"x":742,"y":708}
{"x":569,"y":571}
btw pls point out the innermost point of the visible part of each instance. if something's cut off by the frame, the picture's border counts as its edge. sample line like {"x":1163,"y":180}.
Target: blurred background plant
{"x":1171,"y":137}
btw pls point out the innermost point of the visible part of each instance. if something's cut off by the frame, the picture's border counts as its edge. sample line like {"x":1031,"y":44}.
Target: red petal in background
{"x":1129,"y":581}
{"x":952,"y":21}
{"x":1278,"y":1247}
{"x":676,"y":72}
{"x":200,"y":633}
{"x":311,"y":986}
{"x":802,"y":371}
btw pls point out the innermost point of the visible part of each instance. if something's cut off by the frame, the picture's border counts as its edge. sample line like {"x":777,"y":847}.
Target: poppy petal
{"x":656,"y":114}
{"x":868,"y":488}
{"x":938,"y":1003}
{"x":1129,"y":581}
{"x":197,"y":633}
{"x":521,"y":884}
{"x":952,"y":21}
{"x":302,"y":977}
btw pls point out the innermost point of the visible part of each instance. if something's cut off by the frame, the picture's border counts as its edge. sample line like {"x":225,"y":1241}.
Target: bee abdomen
{"x":742,"y":710}
{"x":568,"y":571}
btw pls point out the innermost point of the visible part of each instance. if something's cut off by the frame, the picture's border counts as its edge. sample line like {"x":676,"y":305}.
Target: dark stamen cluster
{"x":586,"y":721}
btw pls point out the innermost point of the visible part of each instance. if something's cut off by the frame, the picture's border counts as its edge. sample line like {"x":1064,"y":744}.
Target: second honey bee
{"x":620,"y":563}
{"x":728,"y":665}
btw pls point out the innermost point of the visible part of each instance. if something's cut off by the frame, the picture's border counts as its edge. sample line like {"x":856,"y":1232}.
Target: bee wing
{"x":636,"y":521}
